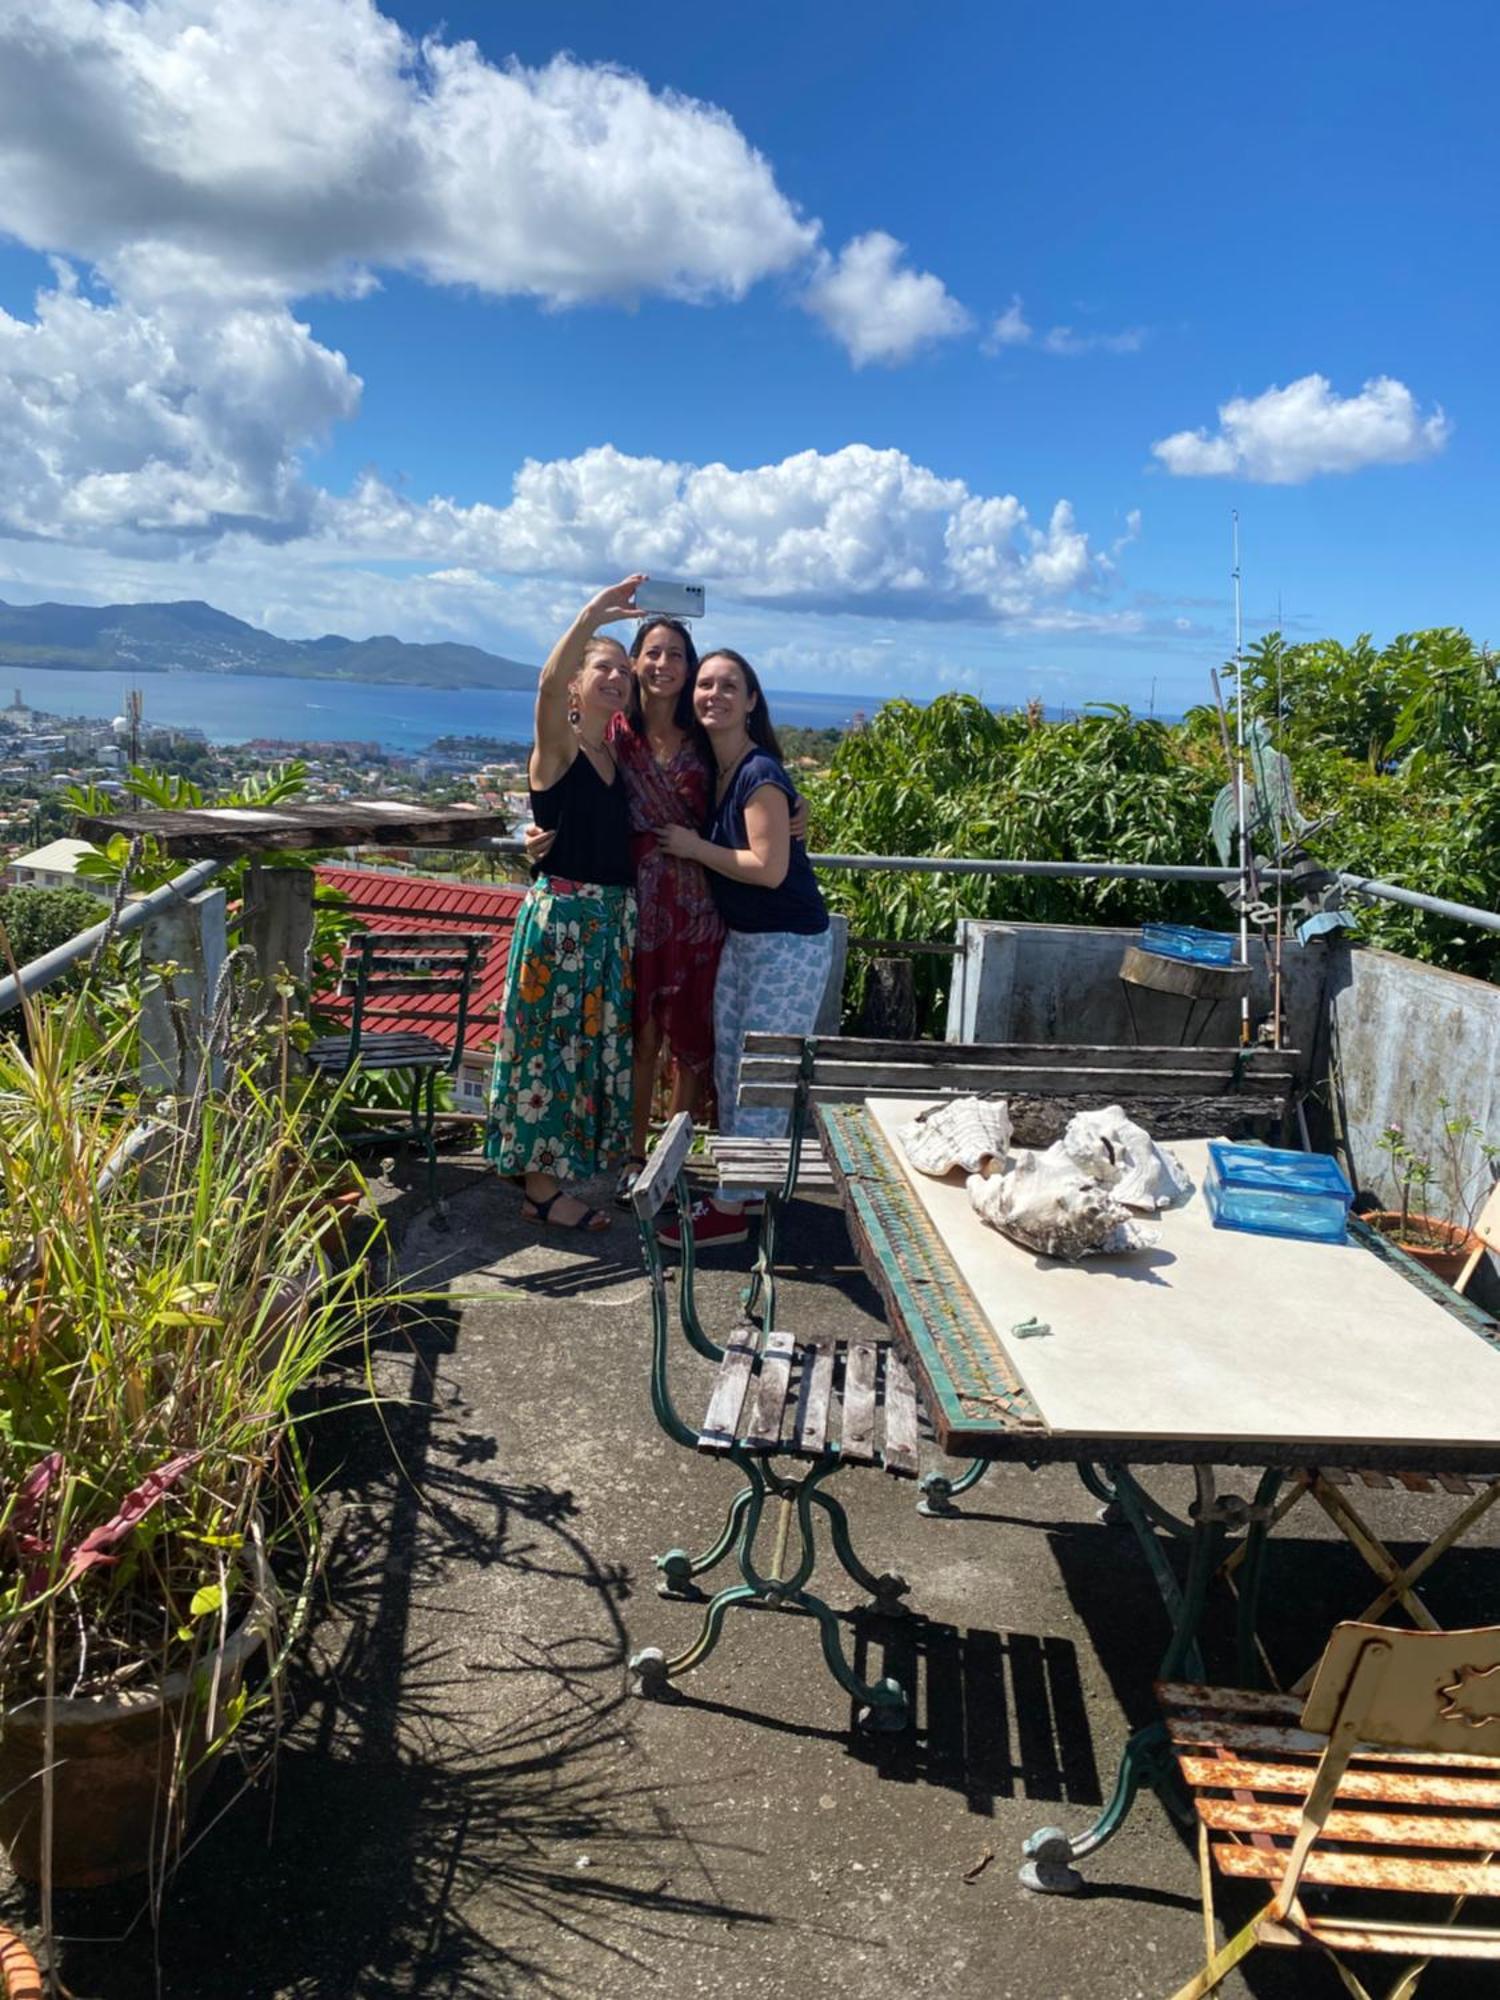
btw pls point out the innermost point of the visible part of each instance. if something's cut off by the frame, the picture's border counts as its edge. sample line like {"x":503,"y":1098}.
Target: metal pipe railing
{"x":44,"y":971}
{"x":51,"y":966}
{"x":1121,"y":871}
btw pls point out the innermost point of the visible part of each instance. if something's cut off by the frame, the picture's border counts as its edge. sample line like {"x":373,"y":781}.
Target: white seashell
{"x":1123,"y":1157}
{"x":1045,"y":1204}
{"x":963,"y":1132}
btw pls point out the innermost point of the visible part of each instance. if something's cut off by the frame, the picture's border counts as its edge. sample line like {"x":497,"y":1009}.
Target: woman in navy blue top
{"x":778,"y":947}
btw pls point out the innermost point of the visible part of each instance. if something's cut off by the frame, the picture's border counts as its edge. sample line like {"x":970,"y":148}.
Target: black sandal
{"x":590,"y":1223}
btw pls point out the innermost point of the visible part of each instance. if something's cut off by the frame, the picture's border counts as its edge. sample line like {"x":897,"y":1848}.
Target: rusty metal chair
{"x":1384,"y":1784}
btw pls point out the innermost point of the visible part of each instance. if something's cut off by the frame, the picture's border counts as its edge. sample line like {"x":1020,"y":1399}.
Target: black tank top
{"x":593,"y":826}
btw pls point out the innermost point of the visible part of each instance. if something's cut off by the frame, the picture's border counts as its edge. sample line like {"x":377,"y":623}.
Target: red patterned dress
{"x":680,"y":933}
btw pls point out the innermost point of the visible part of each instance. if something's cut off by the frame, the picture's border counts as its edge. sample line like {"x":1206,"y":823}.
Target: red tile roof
{"x":394,"y":902}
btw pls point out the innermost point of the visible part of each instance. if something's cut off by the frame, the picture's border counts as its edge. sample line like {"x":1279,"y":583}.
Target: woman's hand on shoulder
{"x":614,"y":603}
{"x":681,"y":841}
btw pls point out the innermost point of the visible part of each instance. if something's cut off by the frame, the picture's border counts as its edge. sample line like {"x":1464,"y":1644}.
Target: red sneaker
{"x":710,"y":1224}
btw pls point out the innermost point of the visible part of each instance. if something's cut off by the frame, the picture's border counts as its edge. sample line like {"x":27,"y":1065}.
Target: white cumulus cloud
{"x":876,"y":306}
{"x":302,"y":142}
{"x":860,"y":529}
{"x":158,"y":430}
{"x":1286,"y":436}
{"x":1013,"y":329}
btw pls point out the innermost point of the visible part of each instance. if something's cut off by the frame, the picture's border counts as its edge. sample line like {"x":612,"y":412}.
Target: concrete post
{"x":189,"y":936}
{"x":278,"y":927}
{"x":979,"y":998}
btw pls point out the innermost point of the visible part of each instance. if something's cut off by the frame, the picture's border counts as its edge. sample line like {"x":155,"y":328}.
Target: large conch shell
{"x":1044,"y":1203}
{"x":1123,"y":1157}
{"x":963,"y":1132}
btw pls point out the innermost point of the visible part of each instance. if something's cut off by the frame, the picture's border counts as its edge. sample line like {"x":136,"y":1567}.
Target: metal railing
{"x":52,"y":965}
{"x":1119,"y":871}
{"x":44,"y":971}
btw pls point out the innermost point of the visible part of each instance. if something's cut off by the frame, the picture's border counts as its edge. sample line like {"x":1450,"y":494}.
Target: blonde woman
{"x":560,"y":1101}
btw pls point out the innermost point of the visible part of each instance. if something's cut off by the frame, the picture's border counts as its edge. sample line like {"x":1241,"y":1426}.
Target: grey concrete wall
{"x":1402,"y":1036}
{"x":1060,"y":983}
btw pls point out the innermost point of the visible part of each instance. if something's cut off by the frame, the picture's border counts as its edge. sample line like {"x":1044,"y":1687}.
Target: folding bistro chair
{"x":1487,"y":1229}
{"x":382,"y":973}
{"x":1386,"y":1782}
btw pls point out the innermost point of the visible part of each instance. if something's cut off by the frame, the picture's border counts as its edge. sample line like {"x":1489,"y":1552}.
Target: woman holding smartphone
{"x":778,"y":947}
{"x":667,"y":768}
{"x":560,"y":1098}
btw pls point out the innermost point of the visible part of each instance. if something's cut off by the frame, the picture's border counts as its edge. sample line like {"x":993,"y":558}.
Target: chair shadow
{"x":994,"y":1715}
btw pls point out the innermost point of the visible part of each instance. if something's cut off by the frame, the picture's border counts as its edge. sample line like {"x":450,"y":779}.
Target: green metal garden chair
{"x":788,"y":1414}
{"x":382,"y":973}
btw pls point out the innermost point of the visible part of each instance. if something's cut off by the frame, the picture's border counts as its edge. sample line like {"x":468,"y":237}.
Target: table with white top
{"x":1214,"y":1348}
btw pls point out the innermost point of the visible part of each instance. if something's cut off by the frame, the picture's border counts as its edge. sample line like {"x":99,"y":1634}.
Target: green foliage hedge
{"x":1399,"y":750}
{"x":39,"y":920}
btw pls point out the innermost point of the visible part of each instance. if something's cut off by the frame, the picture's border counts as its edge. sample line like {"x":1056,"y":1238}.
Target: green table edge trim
{"x":947,"y":1331}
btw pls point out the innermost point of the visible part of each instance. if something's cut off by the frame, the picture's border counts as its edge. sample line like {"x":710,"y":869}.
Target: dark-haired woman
{"x":662,"y":758}
{"x":777,"y":952}
{"x":560,"y":1099}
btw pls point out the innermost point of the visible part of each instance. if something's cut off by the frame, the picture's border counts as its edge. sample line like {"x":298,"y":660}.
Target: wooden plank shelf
{"x":225,"y":833}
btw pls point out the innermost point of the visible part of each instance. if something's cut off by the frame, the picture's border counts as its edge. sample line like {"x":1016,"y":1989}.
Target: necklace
{"x":727,"y":771}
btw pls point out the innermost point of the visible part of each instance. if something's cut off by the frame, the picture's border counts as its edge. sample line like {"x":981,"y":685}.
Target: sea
{"x":236,"y":708}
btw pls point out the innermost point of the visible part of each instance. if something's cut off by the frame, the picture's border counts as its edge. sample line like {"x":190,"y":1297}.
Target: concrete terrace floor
{"x":469,"y":1803}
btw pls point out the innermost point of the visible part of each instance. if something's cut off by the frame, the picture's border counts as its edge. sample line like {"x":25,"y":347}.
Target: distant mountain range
{"x":194,"y":637}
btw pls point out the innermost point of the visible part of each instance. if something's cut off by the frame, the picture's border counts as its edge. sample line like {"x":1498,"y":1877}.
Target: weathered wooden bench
{"x":775,"y":1399}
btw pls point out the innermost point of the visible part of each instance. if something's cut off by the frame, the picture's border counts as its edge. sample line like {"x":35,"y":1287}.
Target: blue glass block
{"x":1185,"y":941}
{"x":1273,"y":1193}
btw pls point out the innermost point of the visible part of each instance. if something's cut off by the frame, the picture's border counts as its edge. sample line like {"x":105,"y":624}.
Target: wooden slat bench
{"x":1176,"y":1093}
{"x":788,"y":1413}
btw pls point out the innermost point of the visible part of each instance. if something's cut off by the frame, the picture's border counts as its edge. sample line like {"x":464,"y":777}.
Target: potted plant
{"x":1459,"y":1179}
{"x":165,"y":1302}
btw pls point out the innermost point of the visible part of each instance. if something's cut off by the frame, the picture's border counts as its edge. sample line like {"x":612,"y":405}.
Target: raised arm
{"x":768,"y":829}
{"x":555,"y":748}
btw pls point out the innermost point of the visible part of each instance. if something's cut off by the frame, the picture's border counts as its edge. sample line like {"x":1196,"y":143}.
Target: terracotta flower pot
{"x":1444,"y":1250}
{"x":20,"y":1975}
{"x":117,"y":1760}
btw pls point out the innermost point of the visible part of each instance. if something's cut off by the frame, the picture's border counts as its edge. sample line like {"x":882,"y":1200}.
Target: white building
{"x":55,"y":866}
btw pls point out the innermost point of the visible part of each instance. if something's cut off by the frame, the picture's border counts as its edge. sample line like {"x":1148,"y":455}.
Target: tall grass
{"x":165,"y":1298}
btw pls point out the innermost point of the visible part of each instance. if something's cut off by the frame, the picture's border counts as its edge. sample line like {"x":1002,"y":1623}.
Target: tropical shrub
{"x":1395,"y":750}
{"x":36,"y":921}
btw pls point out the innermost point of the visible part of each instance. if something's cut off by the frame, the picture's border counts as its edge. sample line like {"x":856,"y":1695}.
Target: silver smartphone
{"x":672,"y":600}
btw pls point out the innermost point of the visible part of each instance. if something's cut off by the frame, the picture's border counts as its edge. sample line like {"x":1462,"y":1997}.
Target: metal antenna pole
{"x":1282,"y":831}
{"x":1239,"y":775}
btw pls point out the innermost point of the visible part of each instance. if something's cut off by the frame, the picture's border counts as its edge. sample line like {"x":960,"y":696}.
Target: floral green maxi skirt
{"x":560,"y":1098}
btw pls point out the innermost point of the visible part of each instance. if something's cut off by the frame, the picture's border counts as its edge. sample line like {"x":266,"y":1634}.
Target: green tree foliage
{"x":1396,"y":750}
{"x":957,"y":779}
{"x":39,"y":920}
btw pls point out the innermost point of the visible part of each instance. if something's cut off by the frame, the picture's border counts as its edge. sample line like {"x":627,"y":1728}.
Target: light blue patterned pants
{"x":769,"y":983}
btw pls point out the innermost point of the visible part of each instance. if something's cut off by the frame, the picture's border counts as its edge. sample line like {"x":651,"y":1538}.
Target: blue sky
{"x":286,"y":323}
